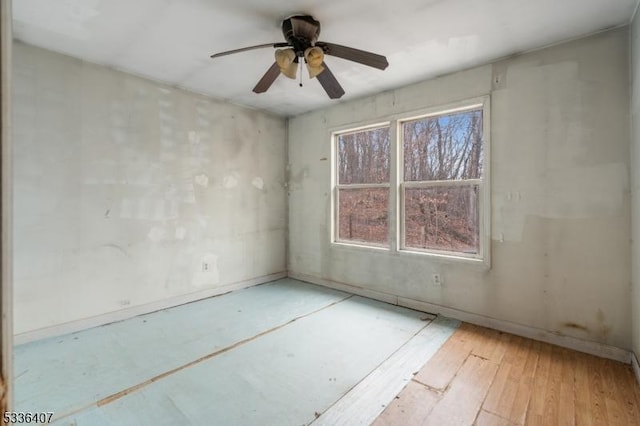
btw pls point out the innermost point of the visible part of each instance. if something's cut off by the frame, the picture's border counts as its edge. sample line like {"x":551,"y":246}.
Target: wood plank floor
{"x":486,"y":377}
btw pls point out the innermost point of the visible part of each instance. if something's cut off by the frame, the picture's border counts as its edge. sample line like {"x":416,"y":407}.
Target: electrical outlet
{"x":437,"y":279}
{"x":205,"y":267}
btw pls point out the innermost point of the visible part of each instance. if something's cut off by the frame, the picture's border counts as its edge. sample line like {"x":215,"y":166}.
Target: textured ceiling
{"x":171,"y":40}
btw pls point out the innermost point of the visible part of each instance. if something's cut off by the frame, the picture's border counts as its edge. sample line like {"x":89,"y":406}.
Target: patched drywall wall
{"x":128,"y":191}
{"x":559,"y":141}
{"x":635,"y":181}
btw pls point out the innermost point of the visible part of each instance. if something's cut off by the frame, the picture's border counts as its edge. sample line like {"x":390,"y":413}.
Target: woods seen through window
{"x":363,"y":179}
{"x":442,"y":172}
{"x":439,"y":183}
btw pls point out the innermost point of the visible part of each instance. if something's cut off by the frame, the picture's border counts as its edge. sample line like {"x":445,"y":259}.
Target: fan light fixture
{"x":314,"y":56}
{"x":286,"y":60}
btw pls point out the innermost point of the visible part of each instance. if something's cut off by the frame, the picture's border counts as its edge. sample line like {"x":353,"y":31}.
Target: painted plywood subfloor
{"x":295,"y":351}
{"x":66,"y":373}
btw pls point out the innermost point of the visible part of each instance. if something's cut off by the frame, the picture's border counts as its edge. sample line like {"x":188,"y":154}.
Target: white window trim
{"x":397,"y":184}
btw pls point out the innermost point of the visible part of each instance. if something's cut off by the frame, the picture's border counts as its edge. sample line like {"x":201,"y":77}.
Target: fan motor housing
{"x":301,"y":32}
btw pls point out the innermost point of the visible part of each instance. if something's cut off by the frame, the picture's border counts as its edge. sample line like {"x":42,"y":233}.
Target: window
{"x":363,"y":186}
{"x":433,"y":201}
{"x":442,"y":170}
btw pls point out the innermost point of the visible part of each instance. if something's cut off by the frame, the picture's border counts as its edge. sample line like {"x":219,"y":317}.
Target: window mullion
{"x":393,"y":184}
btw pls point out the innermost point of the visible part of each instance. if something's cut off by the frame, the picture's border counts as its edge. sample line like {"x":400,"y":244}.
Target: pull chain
{"x":300,"y":73}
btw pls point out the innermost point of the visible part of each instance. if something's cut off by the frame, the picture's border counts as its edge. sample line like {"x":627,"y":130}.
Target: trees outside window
{"x":442,"y":179}
{"x":363,"y":186}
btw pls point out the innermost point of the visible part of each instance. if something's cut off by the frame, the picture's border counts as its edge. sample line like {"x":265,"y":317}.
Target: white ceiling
{"x":171,"y":40}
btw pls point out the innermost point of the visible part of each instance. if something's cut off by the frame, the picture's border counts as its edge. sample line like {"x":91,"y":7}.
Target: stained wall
{"x":129,"y":192}
{"x":560,"y":202}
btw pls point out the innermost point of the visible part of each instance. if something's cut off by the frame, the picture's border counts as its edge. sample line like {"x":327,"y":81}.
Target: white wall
{"x":635,"y":181}
{"x":560,"y":138}
{"x":124,"y":187}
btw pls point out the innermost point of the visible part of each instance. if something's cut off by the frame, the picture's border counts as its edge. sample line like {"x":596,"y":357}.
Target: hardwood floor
{"x":485,"y":377}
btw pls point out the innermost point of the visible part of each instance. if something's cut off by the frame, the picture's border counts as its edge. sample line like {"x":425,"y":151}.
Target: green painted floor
{"x":282,"y":353}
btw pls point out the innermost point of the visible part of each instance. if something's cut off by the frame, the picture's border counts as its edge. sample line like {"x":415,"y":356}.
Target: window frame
{"x":397,"y":185}
{"x":336,"y":186}
{"x":483,"y":236}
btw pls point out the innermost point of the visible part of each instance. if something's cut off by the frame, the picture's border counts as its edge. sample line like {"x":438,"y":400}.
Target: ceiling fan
{"x":301,"y":34}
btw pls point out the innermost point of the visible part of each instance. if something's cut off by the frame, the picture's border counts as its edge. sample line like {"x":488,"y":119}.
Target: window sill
{"x":472,"y":262}
{"x":356,"y":246}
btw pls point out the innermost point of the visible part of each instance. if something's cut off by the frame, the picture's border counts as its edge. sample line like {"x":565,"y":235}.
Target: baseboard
{"x":123,"y":314}
{"x":360,"y":291}
{"x":586,"y":346}
{"x":593,"y":348}
{"x":636,"y":366}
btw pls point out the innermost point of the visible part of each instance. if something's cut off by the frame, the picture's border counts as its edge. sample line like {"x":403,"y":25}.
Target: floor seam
{"x":533,"y":381}
{"x":431,"y":388}
{"x":365,"y":377}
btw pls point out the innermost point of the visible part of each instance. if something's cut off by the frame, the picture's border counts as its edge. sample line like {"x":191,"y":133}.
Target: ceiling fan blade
{"x":267,"y":79}
{"x":366,"y":58}
{"x":244,"y":49}
{"x":329,"y":83}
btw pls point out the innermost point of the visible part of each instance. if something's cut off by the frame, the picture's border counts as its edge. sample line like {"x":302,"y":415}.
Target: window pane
{"x":363,"y":157}
{"x":442,"y":218}
{"x":363,"y":215}
{"x":443,"y":147}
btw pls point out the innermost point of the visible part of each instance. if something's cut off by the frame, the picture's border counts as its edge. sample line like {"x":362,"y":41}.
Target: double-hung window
{"x":362,"y":190}
{"x":442,"y":185}
{"x":434,"y":201}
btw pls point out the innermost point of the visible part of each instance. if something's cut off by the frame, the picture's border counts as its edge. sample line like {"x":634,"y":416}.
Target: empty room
{"x":329,"y":213}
